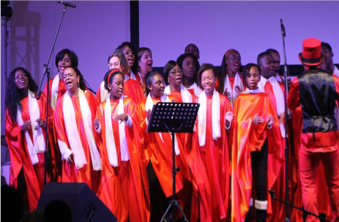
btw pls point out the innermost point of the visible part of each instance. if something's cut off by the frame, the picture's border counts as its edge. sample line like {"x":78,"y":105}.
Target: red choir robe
{"x":278,"y":208}
{"x":55,"y":153}
{"x":215,"y":159}
{"x":19,"y":155}
{"x":124,"y":188}
{"x":250,"y":137}
{"x":159,"y":152}
{"x":132,"y":89}
{"x":70,"y":173}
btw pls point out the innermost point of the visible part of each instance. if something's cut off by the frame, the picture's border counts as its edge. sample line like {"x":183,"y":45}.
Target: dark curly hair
{"x":15,"y":95}
{"x":181,"y":59}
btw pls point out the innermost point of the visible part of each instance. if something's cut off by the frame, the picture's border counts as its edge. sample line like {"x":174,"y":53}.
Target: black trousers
{"x":259,"y":171}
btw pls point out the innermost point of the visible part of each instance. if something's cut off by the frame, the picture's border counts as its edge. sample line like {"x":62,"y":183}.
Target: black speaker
{"x":85,"y":205}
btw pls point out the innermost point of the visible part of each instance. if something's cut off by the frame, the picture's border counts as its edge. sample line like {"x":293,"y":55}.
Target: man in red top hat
{"x":317,"y":91}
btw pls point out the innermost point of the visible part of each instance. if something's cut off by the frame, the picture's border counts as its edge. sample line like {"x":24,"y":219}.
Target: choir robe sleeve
{"x":14,"y":141}
{"x":293,"y":98}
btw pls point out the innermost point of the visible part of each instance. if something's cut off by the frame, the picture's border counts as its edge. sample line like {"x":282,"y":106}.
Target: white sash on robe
{"x":149,"y":106}
{"x":110,"y":142}
{"x":196,"y":88}
{"x":104,"y":93}
{"x":38,"y":143}
{"x":185,"y":94}
{"x":215,"y":117}
{"x":54,"y":91}
{"x":233,"y":92}
{"x":73,"y":133}
{"x":279,"y":100}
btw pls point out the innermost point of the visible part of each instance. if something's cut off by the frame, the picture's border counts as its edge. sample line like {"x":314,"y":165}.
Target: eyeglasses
{"x":173,"y":72}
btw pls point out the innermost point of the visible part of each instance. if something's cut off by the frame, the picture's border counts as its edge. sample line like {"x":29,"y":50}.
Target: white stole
{"x":196,"y":88}
{"x":131,"y":75}
{"x":262,"y":83}
{"x":215,"y":117}
{"x":279,"y":100}
{"x":149,"y":106}
{"x":185,"y":94}
{"x":73,"y":133}
{"x":38,"y":143}
{"x":54,"y":91}
{"x":104,"y":93}
{"x":233,"y":92}
{"x":109,"y":135}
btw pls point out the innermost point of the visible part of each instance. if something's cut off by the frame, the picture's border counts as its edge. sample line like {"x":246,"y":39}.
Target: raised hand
{"x":26,"y":125}
{"x":270,"y":121}
{"x":257,"y":119}
{"x":121,"y":117}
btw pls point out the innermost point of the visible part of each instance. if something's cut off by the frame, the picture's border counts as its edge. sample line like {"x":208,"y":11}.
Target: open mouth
{"x":68,"y":83}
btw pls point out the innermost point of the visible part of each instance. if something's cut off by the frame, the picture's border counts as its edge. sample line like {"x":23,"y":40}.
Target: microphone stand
{"x":47,"y":73}
{"x":272,"y":193}
{"x":288,"y":216}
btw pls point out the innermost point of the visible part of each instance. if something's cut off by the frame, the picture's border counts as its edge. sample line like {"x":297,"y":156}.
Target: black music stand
{"x":174,"y":118}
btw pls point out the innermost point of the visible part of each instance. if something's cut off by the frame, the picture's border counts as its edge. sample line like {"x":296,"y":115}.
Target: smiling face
{"x":128,"y":55}
{"x":157,"y":87}
{"x":114,"y":63}
{"x":21,"y":79}
{"x":116,"y":86}
{"x":175,"y":76}
{"x":71,"y":80}
{"x":145,"y":63}
{"x":208,"y":81}
{"x":63,"y":64}
{"x":253,"y":78}
{"x":233,"y":62}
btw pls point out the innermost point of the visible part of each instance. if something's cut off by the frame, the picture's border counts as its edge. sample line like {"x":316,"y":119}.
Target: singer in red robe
{"x":132,"y":88}
{"x":81,"y":159}
{"x":125,"y":187}
{"x":213,"y":144}
{"x":26,"y":174}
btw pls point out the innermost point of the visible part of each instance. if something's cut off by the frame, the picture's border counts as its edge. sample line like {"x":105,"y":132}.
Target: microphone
{"x":67,"y":4}
{"x":282,"y":28}
{"x":272,"y":193}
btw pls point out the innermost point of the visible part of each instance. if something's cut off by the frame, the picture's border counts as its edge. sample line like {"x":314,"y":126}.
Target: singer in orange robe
{"x":70,"y":173}
{"x":250,"y":137}
{"x":125,"y":188}
{"x":22,"y":169}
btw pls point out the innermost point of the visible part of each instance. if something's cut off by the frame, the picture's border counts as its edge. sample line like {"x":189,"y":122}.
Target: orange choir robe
{"x":132,"y":89}
{"x":159,"y":152}
{"x":215,"y":158}
{"x":279,"y":186}
{"x":250,"y":137}
{"x":125,"y":188}
{"x":19,"y":155}
{"x":70,"y":173}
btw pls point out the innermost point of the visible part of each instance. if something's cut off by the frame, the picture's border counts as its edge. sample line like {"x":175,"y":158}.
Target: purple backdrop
{"x":94,"y":29}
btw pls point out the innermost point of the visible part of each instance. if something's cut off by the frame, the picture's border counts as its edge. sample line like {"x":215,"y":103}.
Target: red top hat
{"x":311,"y":55}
